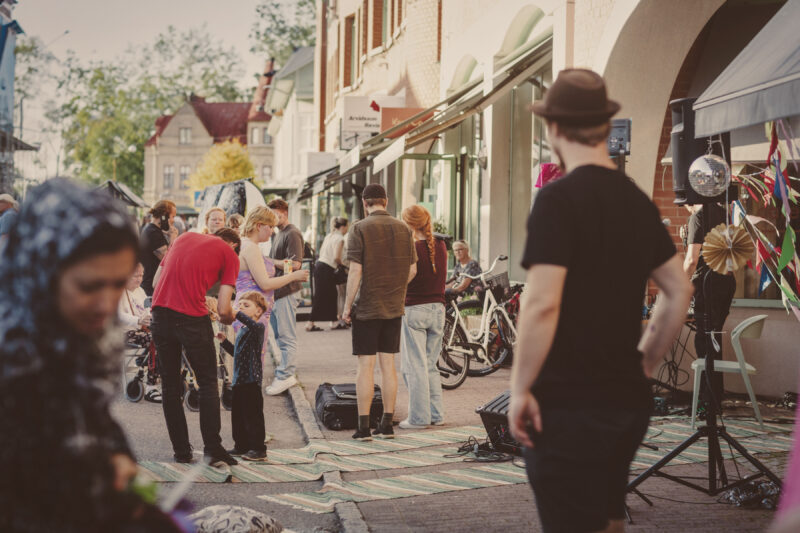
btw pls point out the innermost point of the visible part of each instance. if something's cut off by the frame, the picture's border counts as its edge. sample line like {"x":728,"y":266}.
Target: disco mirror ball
{"x":709,"y":175}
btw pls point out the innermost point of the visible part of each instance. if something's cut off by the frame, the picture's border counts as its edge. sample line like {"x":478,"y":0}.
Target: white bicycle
{"x":479,"y":351}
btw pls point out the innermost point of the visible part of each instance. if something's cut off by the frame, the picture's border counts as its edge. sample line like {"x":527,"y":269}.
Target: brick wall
{"x":663,"y":196}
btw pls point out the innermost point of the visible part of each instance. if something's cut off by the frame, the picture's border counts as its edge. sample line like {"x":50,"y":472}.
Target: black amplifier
{"x":494,"y":416}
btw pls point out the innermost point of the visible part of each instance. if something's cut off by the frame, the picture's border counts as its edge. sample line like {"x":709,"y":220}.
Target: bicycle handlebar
{"x":494,"y":264}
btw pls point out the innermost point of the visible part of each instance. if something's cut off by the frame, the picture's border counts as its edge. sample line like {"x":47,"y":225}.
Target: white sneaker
{"x":439,"y":423}
{"x":279,"y":385}
{"x":405,"y":424}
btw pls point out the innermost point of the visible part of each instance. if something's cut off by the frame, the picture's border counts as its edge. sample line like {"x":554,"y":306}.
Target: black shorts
{"x":376,"y":335}
{"x":580,"y":463}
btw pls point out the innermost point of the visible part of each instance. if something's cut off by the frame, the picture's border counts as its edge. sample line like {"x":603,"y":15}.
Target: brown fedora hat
{"x":577,"y":97}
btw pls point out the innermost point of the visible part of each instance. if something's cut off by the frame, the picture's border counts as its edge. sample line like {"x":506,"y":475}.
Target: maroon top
{"x":427,"y":287}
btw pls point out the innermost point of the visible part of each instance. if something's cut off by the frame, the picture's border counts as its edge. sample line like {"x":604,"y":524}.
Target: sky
{"x":104,"y":29}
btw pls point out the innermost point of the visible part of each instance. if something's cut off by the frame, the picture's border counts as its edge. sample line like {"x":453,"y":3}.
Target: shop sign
{"x":363,"y":113}
{"x":392,"y":116}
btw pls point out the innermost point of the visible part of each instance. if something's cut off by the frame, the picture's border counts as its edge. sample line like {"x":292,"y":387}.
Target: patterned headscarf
{"x":57,"y":435}
{"x":55,"y":219}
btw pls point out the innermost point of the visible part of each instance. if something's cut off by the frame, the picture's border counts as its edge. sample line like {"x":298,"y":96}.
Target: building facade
{"x":475,"y":158}
{"x":181,"y":140}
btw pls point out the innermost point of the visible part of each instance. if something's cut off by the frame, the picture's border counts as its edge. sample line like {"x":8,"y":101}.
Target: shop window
{"x":185,"y":136}
{"x":169,"y":176}
{"x":184,"y":177}
{"x":386,"y":16}
{"x":377,"y":23}
{"x":350,"y":48}
{"x":364,"y":26}
{"x":399,"y":12}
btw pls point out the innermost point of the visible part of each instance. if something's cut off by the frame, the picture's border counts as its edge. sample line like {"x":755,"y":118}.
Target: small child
{"x":247,"y":411}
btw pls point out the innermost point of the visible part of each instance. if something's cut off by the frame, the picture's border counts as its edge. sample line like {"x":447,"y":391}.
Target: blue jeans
{"x":284,"y":325}
{"x":420,"y":346}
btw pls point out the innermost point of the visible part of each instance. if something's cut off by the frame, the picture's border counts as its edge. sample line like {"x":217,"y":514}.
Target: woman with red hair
{"x":423,"y":324}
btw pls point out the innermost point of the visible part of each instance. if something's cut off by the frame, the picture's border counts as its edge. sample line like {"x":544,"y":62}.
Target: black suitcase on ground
{"x":337,"y":407}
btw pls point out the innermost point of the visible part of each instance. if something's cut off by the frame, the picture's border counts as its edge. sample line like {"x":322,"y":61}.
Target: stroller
{"x":139,"y":356}
{"x":191,"y":394}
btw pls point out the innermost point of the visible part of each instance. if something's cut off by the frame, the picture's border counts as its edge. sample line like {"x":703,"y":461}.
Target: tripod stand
{"x":712,"y":430}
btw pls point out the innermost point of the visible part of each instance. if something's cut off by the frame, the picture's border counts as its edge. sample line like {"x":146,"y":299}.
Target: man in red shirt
{"x":193,"y":264}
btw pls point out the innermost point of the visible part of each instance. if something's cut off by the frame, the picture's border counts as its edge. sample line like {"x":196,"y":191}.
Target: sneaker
{"x":362,"y":435}
{"x":215,"y":459}
{"x":438,"y":423}
{"x":405,"y":424}
{"x":185,"y":458}
{"x":152,"y":394}
{"x":384,"y":432}
{"x":236,"y":451}
{"x":254,"y":455}
{"x":280,"y":385}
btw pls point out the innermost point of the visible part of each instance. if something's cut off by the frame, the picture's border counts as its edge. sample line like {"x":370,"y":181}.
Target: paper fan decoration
{"x":727,"y":248}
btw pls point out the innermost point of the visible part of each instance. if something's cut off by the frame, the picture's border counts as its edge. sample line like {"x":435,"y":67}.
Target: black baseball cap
{"x":373,"y":190}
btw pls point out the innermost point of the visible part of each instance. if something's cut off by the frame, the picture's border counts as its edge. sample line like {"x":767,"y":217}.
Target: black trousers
{"x":325,"y":294}
{"x":174,"y":333}
{"x":578,"y":467}
{"x":713,"y":294}
{"x":247,"y":417}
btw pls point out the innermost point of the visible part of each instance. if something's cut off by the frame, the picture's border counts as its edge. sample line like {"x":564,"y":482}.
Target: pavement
{"x":326,"y":356}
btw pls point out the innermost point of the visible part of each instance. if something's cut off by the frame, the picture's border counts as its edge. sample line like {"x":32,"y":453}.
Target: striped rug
{"x":247,"y":472}
{"x":478,"y":477}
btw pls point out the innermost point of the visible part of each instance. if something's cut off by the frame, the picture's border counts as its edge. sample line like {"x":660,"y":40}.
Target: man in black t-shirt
{"x":154,"y":243}
{"x":580,"y":369}
{"x":713,"y":292}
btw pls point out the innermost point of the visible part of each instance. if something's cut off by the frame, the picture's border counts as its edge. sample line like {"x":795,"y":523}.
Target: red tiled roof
{"x":161,"y":123}
{"x":226,"y":120}
{"x":223,"y":120}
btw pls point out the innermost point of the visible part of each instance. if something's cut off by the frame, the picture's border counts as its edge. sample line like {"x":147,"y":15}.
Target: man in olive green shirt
{"x":383,"y":260}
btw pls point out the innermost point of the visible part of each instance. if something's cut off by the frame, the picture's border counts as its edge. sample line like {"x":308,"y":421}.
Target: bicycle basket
{"x":499,"y":286}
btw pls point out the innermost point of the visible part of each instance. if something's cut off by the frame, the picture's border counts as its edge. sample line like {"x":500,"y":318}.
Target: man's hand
{"x":145,"y":321}
{"x":124,"y":470}
{"x":221,"y":335}
{"x":346,"y":315}
{"x":522,"y":413}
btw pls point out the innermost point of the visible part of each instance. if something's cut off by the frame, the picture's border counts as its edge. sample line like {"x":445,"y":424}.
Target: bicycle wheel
{"x":453,"y":365}
{"x":500,"y":346}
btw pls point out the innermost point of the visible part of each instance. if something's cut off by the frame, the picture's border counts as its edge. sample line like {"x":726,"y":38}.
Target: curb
{"x":350,"y":517}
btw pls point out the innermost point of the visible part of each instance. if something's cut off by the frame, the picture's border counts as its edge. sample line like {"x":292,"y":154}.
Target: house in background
{"x":181,"y":140}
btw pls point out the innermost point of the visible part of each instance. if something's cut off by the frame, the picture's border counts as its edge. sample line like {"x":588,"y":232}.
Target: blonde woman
{"x":215,"y":220}
{"x":256,"y":272}
{"x":423,"y":324}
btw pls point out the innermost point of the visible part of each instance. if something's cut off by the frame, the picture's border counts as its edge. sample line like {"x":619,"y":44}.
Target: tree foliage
{"x":32,"y":67}
{"x":282,"y":26}
{"x":224,"y":162}
{"x":111,"y":106}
